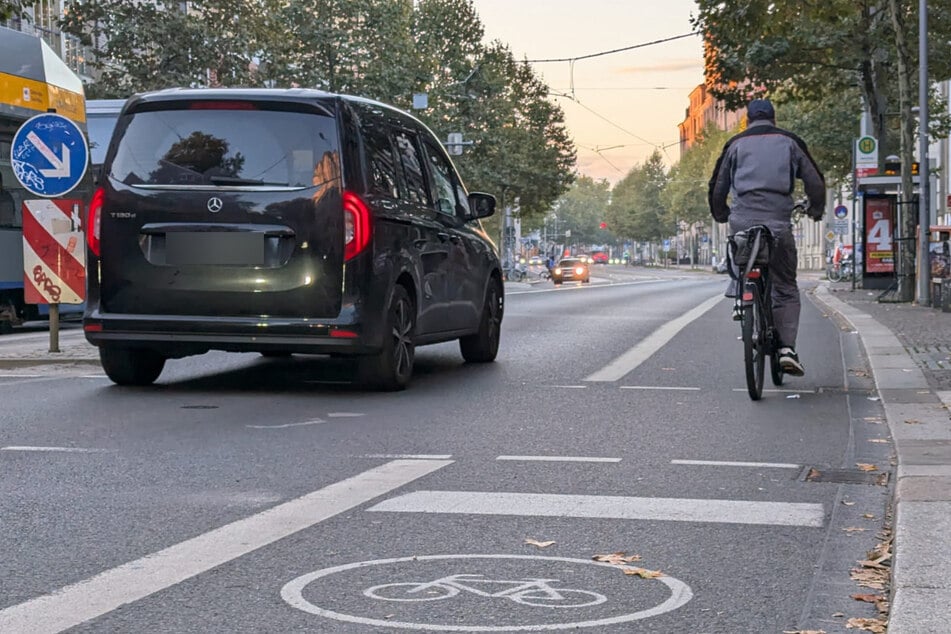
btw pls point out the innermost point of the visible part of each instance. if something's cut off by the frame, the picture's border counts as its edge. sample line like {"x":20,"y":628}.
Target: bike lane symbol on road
{"x":521,"y":592}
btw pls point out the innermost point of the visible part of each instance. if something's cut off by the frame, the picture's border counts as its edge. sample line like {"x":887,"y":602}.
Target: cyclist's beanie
{"x":760,"y":109}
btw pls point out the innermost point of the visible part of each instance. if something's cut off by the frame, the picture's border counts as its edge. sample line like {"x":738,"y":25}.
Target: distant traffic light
{"x":604,"y":225}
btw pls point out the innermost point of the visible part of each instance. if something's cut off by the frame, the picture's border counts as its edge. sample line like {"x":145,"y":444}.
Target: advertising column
{"x":879,"y":236}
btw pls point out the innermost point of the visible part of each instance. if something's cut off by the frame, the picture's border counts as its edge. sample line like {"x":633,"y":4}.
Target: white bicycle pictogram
{"x":533,"y":592}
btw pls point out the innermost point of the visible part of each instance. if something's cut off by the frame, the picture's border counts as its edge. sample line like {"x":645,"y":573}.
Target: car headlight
{"x":557,"y":270}
{"x":579,"y":270}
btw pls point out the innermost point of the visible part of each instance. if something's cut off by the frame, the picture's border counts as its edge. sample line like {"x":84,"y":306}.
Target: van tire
{"x":131,"y":366}
{"x":483,"y":346}
{"x":392,"y":368}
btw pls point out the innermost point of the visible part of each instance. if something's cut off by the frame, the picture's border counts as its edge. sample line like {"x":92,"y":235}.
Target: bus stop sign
{"x":49,"y":155}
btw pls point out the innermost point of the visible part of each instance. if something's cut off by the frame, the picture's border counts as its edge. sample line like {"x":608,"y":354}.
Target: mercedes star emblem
{"x":215,"y":204}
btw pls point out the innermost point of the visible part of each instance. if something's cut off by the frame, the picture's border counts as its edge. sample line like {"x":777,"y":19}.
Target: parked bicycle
{"x":750,"y":253}
{"x":841,"y":271}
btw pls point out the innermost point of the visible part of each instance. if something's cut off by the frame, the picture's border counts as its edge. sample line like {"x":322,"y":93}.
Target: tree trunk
{"x":907,"y":212}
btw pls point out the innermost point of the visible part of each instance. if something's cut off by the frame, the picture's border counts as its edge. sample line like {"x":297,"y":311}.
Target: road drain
{"x":844,"y":476}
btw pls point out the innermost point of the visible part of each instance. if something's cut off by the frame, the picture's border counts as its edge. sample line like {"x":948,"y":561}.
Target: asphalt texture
{"x":904,"y":349}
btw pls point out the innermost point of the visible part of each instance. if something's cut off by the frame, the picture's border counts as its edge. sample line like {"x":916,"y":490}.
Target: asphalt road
{"x":243,"y":494}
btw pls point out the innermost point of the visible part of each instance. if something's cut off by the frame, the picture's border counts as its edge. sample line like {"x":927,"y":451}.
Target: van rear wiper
{"x":235,"y":180}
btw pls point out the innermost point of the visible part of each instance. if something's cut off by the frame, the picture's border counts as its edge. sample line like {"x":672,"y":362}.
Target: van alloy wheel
{"x":483,"y":346}
{"x":392,"y":368}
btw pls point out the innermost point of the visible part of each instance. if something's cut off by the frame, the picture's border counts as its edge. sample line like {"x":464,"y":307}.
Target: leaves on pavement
{"x":804,"y":632}
{"x":877,"y":626}
{"x":618,"y":558}
{"x":642,"y":572}
{"x":864,"y":466}
{"x":535,"y":542}
{"x":912,"y":421}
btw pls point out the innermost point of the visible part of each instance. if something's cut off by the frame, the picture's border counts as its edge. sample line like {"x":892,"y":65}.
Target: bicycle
{"x":750,"y":251}
{"x":533,"y":592}
{"x":840,"y":271}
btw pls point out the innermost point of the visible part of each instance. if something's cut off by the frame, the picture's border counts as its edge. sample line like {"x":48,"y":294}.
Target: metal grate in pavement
{"x":931,"y":357}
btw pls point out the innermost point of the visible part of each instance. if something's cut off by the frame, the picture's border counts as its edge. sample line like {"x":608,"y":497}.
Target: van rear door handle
{"x":420,"y":243}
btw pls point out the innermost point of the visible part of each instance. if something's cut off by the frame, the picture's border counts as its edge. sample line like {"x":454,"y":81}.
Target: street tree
{"x":582,"y":209}
{"x":637,"y":209}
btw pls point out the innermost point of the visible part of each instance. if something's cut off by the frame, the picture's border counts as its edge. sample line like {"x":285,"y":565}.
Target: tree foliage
{"x":583,"y":208}
{"x":382,"y":49}
{"x":638,"y":210}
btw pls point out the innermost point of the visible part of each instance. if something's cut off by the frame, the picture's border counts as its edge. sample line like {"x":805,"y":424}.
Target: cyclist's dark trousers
{"x":786,"y":302}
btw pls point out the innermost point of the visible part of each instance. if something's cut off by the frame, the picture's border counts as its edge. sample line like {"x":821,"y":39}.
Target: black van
{"x":283,"y":221}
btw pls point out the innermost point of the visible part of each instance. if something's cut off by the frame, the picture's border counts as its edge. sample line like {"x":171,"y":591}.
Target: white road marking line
{"x":607,"y":507}
{"x":344,"y":415}
{"x":137,"y":579}
{"x":729,"y":463}
{"x":408,"y":456}
{"x":55,"y":449}
{"x":637,"y":355}
{"x":658,"y":387}
{"x":609,"y":284}
{"x":777,"y":391}
{"x":567,"y":387}
{"x":22,"y":376}
{"x":559,"y":458}
{"x":316,"y":421}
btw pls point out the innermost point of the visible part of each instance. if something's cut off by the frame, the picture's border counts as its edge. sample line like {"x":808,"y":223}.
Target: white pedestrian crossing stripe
{"x":607,"y":507}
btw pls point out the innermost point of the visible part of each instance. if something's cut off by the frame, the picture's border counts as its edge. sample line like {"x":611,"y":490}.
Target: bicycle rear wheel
{"x":753,"y":344}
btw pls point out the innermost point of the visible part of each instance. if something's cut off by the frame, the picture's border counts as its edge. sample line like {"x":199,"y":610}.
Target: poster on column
{"x":879,"y":235}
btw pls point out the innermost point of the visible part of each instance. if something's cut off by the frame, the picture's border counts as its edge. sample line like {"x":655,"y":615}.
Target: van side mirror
{"x":482,"y":205}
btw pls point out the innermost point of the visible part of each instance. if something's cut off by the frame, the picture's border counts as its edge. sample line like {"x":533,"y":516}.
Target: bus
{"x":33,"y":80}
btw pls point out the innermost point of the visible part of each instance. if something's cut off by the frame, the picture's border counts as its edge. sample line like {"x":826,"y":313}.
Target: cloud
{"x":663,"y":67}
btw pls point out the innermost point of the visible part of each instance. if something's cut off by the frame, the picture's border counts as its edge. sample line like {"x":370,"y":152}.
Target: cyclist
{"x":757,"y":169}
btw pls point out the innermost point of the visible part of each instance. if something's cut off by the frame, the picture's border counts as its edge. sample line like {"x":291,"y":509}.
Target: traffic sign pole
{"x":50,"y":155}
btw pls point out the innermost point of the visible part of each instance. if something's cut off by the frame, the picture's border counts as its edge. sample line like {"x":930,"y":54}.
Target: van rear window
{"x":219,"y":147}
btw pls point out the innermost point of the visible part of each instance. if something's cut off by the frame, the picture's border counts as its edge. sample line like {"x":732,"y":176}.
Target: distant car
{"x":571,"y":270}
{"x":599,"y":258}
{"x":536,"y":260}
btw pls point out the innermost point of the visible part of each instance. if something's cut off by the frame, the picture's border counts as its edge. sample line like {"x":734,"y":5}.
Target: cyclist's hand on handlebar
{"x":816,"y":213}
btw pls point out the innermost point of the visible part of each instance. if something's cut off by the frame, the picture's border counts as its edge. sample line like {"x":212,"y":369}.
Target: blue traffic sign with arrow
{"x":49,"y":155}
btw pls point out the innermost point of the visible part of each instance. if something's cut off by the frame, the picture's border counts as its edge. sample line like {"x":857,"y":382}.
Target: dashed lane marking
{"x":659,"y":387}
{"x":607,"y":507}
{"x":316,"y":421}
{"x":54,"y":449}
{"x":729,"y":463}
{"x":637,"y":355}
{"x":559,"y":458}
{"x":408,"y":456}
{"x":93,"y":597}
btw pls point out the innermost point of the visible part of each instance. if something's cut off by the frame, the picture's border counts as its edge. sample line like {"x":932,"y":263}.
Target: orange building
{"x":703,"y":110}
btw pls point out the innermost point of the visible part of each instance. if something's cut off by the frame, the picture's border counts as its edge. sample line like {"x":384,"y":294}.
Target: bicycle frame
{"x":754,"y":302}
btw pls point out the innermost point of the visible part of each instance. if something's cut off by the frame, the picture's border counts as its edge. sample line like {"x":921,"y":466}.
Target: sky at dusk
{"x":632,"y":99}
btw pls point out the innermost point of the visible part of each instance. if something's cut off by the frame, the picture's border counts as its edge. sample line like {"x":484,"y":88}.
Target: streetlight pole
{"x":924,"y":173}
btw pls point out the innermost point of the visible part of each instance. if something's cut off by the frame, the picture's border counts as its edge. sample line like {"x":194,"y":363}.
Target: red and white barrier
{"x":54,"y":252}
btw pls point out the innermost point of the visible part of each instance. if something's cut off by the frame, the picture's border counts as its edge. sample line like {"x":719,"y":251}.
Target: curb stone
{"x":921,"y":587}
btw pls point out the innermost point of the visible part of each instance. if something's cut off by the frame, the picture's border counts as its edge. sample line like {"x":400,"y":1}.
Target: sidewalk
{"x":909,"y":352}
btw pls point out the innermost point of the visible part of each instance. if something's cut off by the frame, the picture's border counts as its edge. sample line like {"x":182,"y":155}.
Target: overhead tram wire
{"x":571,"y":95}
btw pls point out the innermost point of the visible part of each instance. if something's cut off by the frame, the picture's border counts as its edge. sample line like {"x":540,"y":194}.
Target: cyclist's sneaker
{"x":789,"y":362}
{"x":737,"y":312}
{"x":731,"y":289}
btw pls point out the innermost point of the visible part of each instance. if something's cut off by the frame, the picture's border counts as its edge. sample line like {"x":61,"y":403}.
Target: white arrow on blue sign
{"x":49,"y":155}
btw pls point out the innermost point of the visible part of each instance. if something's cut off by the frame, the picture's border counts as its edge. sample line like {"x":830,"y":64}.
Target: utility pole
{"x":924,"y":171}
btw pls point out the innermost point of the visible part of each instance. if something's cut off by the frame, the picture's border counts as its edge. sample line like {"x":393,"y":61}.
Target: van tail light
{"x":356,"y":217}
{"x":94,"y":221}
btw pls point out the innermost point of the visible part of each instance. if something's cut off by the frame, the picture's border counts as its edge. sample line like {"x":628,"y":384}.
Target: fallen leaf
{"x":838,"y":615}
{"x":854,"y":529}
{"x":804,"y":631}
{"x":912,"y":421}
{"x":878,"y":440}
{"x":618,"y":558}
{"x":877,"y":626}
{"x":867,"y":598}
{"x":864,"y":466}
{"x":874,"y":398}
{"x":534,"y":542}
{"x":642,"y":572}
{"x":813,"y":474}
{"x":868,"y":516}
{"x":669,"y":369}
{"x":848,"y":503}
{"x":870,"y":577}
{"x":873,"y":419}
{"x":857,"y":372}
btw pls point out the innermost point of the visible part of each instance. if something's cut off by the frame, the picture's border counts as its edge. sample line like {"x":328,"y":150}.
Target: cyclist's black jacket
{"x":758,"y":169}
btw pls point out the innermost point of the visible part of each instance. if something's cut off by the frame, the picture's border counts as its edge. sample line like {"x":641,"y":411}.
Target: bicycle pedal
{"x":737,"y":314}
